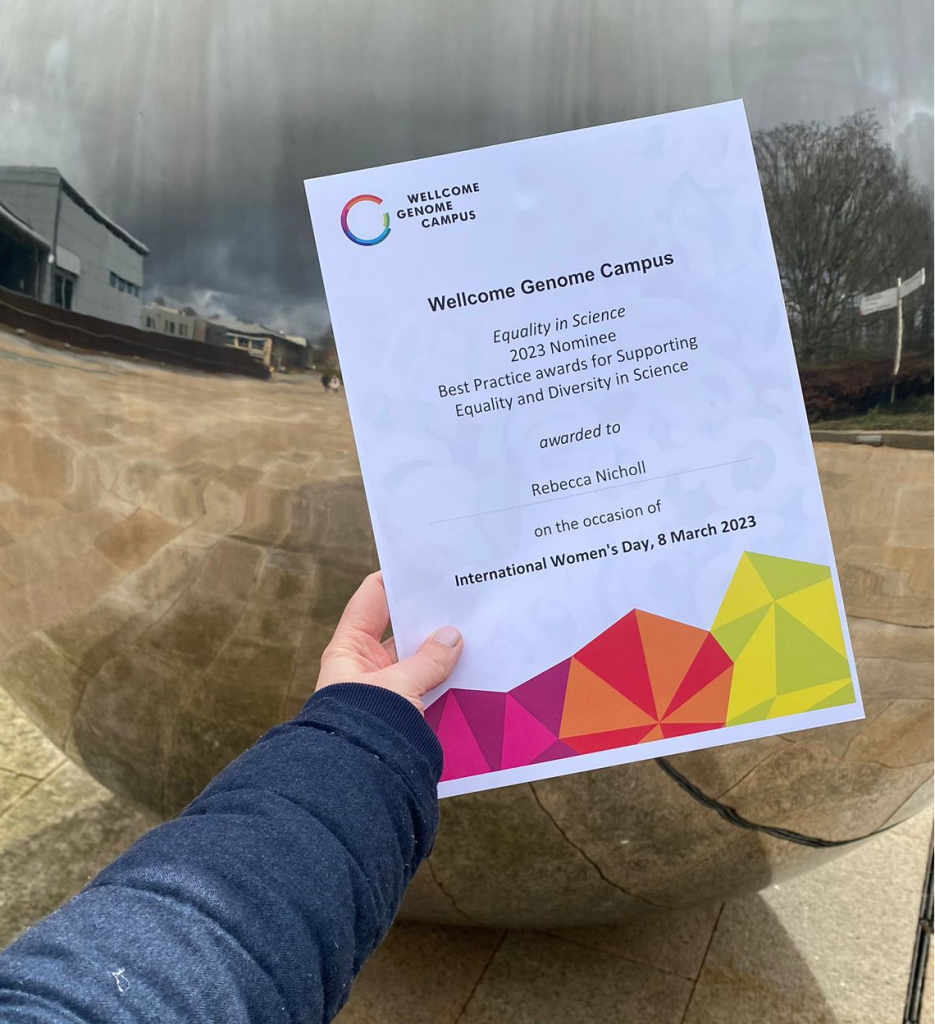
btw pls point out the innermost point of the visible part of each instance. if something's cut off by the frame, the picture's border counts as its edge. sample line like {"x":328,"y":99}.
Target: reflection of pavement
{"x":833,"y":947}
{"x":211,"y":527}
{"x":57,"y":825}
{"x":174,"y":548}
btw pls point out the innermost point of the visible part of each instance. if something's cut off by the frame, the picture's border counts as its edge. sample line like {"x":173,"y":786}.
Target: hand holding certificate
{"x":583,"y":441}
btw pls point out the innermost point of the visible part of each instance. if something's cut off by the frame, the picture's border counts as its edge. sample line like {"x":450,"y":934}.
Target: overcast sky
{"x":193,"y":122}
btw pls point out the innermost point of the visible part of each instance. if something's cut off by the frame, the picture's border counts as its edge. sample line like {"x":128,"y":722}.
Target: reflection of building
{"x":24,"y":254}
{"x":180,"y":323}
{"x":277,"y":350}
{"x":57,"y":247}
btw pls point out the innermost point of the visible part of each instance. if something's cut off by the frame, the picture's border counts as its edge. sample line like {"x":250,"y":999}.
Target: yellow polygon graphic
{"x":779,"y":622}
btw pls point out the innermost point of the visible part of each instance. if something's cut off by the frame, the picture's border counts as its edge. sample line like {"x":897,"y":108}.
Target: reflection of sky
{"x":198,"y":127}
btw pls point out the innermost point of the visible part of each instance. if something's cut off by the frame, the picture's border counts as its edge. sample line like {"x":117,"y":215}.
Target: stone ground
{"x":830,"y":947}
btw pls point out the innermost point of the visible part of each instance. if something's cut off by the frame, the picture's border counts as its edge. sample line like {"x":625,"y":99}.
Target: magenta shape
{"x":557,"y":750}
{"x":463,"y":755}
{"x":544,"y":694}
{"x":483,"y":710}
{"x":433,"y":713}
{"x":524,"y":736}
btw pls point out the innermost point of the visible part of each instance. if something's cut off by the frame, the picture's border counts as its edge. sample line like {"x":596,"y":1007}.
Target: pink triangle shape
{"x":557,"y":750}
{"x":544,"y":694}
{"x":463,"y":756}
{"x":483,"y":710}
{"x":524,"y":737}
{"x":435,"y":710}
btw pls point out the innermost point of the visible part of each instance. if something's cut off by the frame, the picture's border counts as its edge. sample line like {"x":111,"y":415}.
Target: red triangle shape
{"x":710,"y":661}
{"x":685,"y":729}
{"x":608,"y":740}
{"x":616,"y":656}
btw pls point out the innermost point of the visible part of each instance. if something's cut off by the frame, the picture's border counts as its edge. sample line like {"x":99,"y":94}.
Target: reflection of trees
{"x":847,"y":219}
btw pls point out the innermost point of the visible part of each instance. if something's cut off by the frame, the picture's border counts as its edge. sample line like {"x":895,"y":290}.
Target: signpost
{"x":888,"y":299}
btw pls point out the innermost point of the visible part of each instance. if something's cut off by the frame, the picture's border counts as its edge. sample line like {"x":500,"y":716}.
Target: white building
{"x":275,"y":349}
{"x":93,"y":265}
{"x":178,"y":323}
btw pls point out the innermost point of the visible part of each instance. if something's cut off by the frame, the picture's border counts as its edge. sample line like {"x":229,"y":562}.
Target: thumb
{"x":429,"y":667}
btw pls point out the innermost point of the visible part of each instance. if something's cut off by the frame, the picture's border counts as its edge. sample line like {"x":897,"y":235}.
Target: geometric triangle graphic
{"x":817,"y":609}
{"x":735,"y":635}
{"x":845,"y":695}
{"x":797,"y":701}
{"x":591,"y":706}
{"x":707,"y":704}
{"x":544,"y":694}
{"x":783,"y":576}
{"x":758,"y":713}
{"x":483,"y":712}
{"x":745,"y":593}
{"x":525,"y":738}
{"x":802,"y":658}
{"x":557,"y":750}
{"x":709,"y":663}
{"x":776,"y":648}
{"x":794,"y":658}
{"x":616,"y":656}
{"x":588,"y":743}
{"x":670,"y":729}
{"x":433,"y":713}
{"x":754,"y":668}
{"x":463,"y":754}
{"x":668,"y":653}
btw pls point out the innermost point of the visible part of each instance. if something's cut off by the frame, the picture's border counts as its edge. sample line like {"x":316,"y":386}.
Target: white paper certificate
{"x":583,"y":442}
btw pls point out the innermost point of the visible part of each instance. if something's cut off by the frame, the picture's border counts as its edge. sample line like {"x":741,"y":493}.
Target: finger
{"x":389,"y":645}
{"x":430,"y":666}
{"x":367,"y":611}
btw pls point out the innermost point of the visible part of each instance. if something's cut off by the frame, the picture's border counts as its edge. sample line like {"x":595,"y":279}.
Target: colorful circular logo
{"x":351,"y":203}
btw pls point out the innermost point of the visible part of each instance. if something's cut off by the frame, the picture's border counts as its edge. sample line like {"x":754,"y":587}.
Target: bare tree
{"x":846,"y":219}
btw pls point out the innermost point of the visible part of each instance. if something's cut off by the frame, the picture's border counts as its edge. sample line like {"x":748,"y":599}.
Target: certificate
{"x":583,"y":442}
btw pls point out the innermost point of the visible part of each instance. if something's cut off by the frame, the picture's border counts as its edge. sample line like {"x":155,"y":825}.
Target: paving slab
{"x":671,"y":941}
{"x":24,"y":748}
{"x":13,"y":787}
{"x":54,"y":840}
{"x":539,"y":979}
{"x":422,"y":974}
{"x":832,"y":948}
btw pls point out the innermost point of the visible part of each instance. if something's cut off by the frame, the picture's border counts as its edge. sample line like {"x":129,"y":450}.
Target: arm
{"x":262,"y":901}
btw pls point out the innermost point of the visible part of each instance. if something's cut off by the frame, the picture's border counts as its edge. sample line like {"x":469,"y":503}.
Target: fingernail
{"x":447,"y":635}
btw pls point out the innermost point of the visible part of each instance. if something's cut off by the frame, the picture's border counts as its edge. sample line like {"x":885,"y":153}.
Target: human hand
{"x":356,"y":655}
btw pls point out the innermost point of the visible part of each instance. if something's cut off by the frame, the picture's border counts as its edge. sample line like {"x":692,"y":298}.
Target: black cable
{"x":735,"y":818}
{"x":917,"y":979}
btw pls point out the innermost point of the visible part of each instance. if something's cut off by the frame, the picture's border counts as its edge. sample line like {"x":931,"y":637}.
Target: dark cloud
{"x":194,"y":123}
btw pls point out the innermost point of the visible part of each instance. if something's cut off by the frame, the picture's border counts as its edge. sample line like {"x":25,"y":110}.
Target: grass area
{"x":909,"y":414}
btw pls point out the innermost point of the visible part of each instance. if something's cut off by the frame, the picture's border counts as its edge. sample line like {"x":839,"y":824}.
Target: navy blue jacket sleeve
{"x":263,"y":899}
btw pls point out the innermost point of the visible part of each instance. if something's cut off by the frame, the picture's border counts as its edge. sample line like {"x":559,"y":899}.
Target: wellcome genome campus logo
{"x":437,"y":208}
{"x":351,"y":203}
